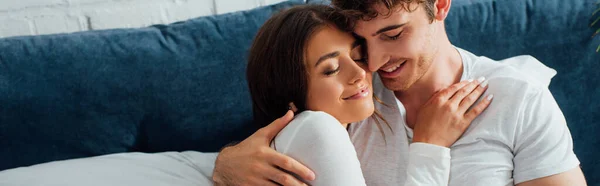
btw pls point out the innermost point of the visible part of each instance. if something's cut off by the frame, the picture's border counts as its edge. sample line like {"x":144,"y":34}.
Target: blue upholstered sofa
{"x":182,"y":86}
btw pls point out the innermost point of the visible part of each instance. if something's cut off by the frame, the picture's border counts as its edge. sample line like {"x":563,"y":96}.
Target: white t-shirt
{"x":521,"y":136}
{"x":318,"y":140}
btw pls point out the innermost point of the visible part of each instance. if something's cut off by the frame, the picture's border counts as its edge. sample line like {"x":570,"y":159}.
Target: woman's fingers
{"x":463,"y":92}
{"x":444,"y":118}
{"x":479,"y":108}
{"x":466,"y":100}
{"x":447,"y":93}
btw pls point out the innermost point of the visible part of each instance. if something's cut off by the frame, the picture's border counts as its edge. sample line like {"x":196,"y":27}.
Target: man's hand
{"x":253,"y":162}
{"x":446,"y":116}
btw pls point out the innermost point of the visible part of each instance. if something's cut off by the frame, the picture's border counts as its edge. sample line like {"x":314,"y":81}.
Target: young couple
{"x":420,"y":121}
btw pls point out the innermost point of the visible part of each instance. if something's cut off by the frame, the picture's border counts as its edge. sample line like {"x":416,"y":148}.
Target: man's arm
{"x":543,"y":146}
{"x":254,"y":162}
{"x":571,"y":177}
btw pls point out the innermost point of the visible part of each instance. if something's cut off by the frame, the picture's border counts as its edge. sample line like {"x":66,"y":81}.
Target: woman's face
{"x":337,"y":83}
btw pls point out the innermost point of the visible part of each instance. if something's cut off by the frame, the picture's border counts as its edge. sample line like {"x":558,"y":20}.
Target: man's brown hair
{"x":365,"y":9}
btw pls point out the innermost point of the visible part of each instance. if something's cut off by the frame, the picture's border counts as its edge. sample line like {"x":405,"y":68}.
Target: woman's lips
{"x":362,"y":93}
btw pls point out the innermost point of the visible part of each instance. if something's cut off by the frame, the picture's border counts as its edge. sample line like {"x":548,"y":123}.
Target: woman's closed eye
{"x":332,"y":71}
{"x":361,"y":60}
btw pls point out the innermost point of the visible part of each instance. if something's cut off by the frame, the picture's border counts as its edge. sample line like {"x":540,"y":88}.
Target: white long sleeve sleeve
{"x":428,"y":165}
{"x":318,"y":140}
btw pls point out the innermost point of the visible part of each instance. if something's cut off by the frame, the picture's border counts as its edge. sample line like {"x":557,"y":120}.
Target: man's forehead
{"x":368,"y":27}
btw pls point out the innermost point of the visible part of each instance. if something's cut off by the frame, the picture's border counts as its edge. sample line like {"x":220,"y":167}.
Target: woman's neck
{"x":345,"y":125}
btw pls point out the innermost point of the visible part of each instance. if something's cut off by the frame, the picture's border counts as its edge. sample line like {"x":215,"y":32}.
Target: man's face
{"x":400,"y":46}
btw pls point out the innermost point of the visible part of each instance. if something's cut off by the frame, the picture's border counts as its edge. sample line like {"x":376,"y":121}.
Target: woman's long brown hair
{"x":276,"y":71}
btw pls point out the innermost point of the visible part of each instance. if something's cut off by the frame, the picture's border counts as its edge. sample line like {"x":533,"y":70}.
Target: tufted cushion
{"x":162,"y":88}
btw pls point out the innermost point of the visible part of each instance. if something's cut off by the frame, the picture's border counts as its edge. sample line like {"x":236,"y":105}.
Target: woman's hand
{"x":446,"y":116}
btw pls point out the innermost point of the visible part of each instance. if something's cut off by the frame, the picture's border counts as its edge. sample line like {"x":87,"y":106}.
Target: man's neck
{"x":446,"y":69}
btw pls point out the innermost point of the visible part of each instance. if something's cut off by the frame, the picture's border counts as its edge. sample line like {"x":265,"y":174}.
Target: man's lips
{"x":391,"y":71}
{"x":361,"y":93}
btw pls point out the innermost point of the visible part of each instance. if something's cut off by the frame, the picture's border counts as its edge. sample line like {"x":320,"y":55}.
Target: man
{"x":521,"y":139}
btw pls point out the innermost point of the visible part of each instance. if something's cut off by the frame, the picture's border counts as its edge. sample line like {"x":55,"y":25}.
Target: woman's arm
{"x":319,"y":141}
{"x":427,"y":165}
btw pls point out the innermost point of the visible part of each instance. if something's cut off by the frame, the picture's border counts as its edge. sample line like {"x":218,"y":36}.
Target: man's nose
{"x":376,"y":58}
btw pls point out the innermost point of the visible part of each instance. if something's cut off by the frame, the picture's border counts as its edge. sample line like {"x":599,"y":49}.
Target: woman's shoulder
{"x":309,"y":126}
{"x":313,"y":120}
{"x":314,"y":116}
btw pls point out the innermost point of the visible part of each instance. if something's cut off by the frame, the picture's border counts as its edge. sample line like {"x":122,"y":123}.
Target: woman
{"x":305,"y":60}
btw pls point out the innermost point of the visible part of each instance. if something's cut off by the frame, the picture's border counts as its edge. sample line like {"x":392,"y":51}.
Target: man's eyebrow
{"x":327,"y":56}
{"x":388,"y":28}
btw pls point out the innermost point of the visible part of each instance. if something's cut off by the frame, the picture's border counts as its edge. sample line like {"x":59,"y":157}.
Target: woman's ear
{"x":292,"y":107}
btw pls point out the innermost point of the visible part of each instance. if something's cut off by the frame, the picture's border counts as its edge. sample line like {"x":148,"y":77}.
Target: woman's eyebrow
{"x":327,"y":56}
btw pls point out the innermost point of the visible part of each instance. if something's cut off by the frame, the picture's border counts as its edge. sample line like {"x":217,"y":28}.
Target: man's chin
{"x":394,"y":85}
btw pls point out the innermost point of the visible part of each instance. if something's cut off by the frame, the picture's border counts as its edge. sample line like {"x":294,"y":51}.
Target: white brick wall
{"x":32,"y":17}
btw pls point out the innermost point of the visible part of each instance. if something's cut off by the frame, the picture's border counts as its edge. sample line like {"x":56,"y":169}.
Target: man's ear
{"x":293,"y":107}
{"x":441,"y":9}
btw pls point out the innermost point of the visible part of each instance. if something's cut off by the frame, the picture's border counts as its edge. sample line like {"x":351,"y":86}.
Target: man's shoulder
{"x":512,"y":87}
{"x":513,"y":82}
{"x":512,"y":75}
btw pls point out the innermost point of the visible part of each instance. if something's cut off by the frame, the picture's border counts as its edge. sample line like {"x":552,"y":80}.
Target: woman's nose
{"x":358,"y":73}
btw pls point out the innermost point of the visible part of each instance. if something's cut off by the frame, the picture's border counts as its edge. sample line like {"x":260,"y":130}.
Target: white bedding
{"x":125,"y":169}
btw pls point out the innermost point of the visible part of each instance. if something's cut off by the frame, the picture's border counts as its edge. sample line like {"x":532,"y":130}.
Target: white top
{"x":520,"y":137}
{"x":318,"y":140}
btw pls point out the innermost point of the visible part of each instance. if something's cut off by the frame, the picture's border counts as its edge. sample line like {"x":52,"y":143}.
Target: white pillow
{"x":125,"y":169}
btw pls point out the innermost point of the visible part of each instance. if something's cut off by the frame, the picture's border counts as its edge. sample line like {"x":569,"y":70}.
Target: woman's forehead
{"x":326,"y":40}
